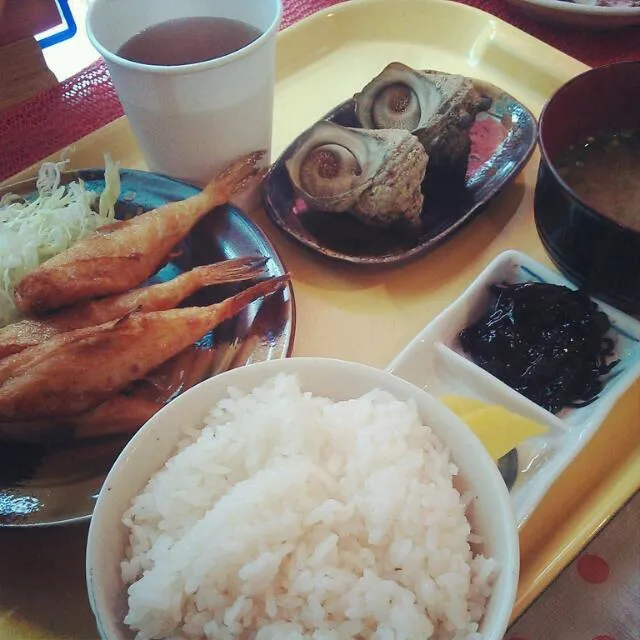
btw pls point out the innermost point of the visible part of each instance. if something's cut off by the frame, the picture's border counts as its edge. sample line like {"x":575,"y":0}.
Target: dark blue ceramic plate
{"x":502,"y":141}
{"x":57,"y":484}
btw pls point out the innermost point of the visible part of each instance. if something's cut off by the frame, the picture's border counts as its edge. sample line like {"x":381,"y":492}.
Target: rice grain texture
{"x":291,"y":516}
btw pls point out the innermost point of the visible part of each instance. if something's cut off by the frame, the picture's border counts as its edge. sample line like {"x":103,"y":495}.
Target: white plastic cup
{"x":192,"y":120}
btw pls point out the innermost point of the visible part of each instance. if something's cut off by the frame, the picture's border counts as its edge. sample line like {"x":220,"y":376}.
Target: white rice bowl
{"x":283,"y":514}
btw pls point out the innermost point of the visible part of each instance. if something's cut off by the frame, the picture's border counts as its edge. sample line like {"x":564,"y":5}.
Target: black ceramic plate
{"x":502,"y":141}
{"x":47,"y":485}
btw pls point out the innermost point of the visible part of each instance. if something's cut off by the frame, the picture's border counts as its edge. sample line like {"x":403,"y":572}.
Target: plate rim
{"x":78,"y":174}
{"x":594,"y":11}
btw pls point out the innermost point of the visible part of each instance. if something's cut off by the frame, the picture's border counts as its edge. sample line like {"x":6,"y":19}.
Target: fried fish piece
{"x":119,"y":414}
{"x":157,"y":297}
{"x":176,"y":375}
{"x":74,"y":372}
{"x":125,"y":412}
{"x":122,"y":255}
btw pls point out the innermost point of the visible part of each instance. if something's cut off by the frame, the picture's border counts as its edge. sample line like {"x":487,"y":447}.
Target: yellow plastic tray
{"x":364,"y":315}
{"x":325,"y":60}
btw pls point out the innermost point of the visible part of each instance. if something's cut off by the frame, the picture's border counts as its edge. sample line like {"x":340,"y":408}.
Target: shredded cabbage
{"x":35,"y":229}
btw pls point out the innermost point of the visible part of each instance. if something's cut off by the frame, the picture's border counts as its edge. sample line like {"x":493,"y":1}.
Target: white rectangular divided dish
{"x":434,"y":361}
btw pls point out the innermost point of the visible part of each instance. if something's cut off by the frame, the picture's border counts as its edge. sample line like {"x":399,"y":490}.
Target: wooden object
{"x":23,"y":70}
{"x":24,"y":18}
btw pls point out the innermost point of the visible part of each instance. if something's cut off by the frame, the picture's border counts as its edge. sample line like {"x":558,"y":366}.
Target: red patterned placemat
{"x":35,"y":128}
{"x":87,"y":101}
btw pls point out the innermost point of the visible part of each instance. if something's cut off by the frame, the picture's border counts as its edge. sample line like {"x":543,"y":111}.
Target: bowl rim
{"x":550,"y":164}
{"x":108,"y":625}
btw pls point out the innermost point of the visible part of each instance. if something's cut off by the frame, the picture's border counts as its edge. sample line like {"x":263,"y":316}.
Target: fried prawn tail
{"x":235,"y":177}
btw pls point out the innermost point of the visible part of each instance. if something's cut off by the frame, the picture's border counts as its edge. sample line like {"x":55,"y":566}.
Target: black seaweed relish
{"x":545,"y":341}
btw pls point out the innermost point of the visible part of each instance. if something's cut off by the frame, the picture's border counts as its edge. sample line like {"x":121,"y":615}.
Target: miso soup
{"x":605,"y":173}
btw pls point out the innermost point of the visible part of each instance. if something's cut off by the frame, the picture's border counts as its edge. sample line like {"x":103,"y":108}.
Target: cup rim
{"x":184,"y":69}
{"x":551,"y":165}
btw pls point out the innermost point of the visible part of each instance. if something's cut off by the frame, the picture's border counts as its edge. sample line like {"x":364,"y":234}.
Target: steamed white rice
{"x":292,"y":516}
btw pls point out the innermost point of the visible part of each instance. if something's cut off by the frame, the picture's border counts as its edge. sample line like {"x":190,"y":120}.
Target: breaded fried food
{"x":76,"y":371}
{"x":157,"y":297}
{"x":120,"y":256}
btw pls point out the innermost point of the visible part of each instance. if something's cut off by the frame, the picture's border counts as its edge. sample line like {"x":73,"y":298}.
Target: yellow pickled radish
{"x":499,"y":429}
{"x":461,"y":405}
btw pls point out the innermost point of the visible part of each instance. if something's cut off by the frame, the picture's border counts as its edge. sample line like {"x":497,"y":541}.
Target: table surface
{"x":597,"y":597}
{"x":42,"y":593}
